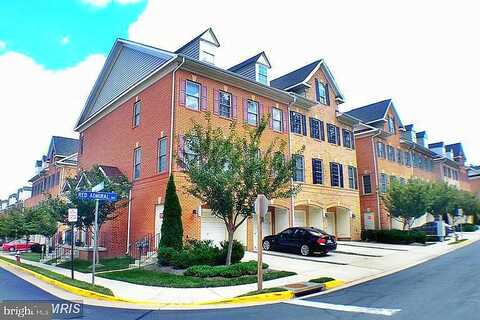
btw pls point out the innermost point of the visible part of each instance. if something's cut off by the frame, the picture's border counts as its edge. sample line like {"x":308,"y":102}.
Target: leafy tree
{"x":172,"y":229}
{"x":407,"y":202}
{"x":469,"y":202}
{"x":227,"y":171}
{"x":13,"y":224}
{"x":85,"y":180}
{"x":443,"y":199}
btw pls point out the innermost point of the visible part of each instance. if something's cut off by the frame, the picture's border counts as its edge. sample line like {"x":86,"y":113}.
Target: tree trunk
{"x":231,"y":231}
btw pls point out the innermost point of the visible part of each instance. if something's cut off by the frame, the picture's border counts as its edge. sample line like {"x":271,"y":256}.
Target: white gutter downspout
{"x":292,"y":198}
{"x":172,"y":111}
{"x":128,"y":220}
{"x":375,"y":163}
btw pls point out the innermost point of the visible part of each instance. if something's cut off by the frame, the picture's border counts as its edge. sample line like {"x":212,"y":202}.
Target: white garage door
{"x":299,"y":219}
{"x":213,"y":228}
{"x":316,"y":218}
{"x":281,"y":220}
{"x":266,"y":228}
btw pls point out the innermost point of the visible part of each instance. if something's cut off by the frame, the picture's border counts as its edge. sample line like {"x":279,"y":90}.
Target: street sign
{"x":98,"y":187}
{"x":459,"y":212}
{"x":261,"y":205}
{"x":72,"y":215}
{"x":90,"y":195}
{"x":261,"y":208}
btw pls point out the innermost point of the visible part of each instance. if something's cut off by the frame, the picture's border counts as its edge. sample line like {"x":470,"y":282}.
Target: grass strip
{"x":163,"y":279}
{"x":106,"y":264}
{"x":321,"y":280}
{"x":62,"y":278}
{"x":457,"y":242}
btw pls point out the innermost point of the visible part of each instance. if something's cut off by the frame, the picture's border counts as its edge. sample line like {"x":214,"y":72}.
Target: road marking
{"x":341,"y":307}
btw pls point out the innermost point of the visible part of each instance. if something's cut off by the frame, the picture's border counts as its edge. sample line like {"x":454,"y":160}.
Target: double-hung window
{"x":137,"y":162}
{"x":381,"y":150}
{"x":277,"y":119}
{"x":399,"y":156}
{"x":136,"y":113}
{"x":262,"y":74}
{"x":352,"y":178}
{"x":298,"y":123}
{"x":391,"y":125}
{"x":316,"y":129}
{"x":348,"y":139}
{"x":162,"y":154}
{"x":192,"y":95}
{"x":367,"y":184}
{"x":225,"y":104}
{"x":333,"y":133}
{"x":390,"y":153}
{"x":317,"y":171}
{"x":321,"y":92}
{"x":299,"y":173}
{"x":408,"y":158}
{"x":383,"y":182}
{"x":336,"y":174}
{"x":252,"y":112}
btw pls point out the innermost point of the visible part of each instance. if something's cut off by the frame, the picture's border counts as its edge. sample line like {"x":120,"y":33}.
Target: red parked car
{"x":17,"y":245}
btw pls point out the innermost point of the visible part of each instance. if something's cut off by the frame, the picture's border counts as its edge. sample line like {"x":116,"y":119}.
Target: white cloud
{"x":419,"y":53}
{"x":65,"y":40}
{"x":104,"y":3}
{"x":3,"y":45}
{"x":36,"y":104}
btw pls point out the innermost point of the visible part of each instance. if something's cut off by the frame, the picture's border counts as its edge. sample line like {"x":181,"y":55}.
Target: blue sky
{"x":59,"y":34}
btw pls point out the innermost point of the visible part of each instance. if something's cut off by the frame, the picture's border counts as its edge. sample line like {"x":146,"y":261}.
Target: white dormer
{"x":203,"y":47}
{"x":255,"y":68}
{"x":261,"y":69}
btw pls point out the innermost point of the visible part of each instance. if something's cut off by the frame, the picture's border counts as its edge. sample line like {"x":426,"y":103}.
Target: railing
{"x":144,"y":248}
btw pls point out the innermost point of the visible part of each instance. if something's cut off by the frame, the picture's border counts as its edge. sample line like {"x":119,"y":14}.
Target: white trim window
{"x":262,"y":73}
{"x":208,"y":57}
{"x":225,"y":104}
{"x":277,"y":119}
{"x":299,"y":173}
{"x":252,"y":113}
{"x":137,"y":162}
{"x":192,"y":100}
{"x":162,"y":154}
{"x":136,"y":113}
{"x":321,"y":92}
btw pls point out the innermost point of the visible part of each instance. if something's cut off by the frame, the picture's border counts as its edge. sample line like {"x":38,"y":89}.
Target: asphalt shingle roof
{"x":372,"y":112}
{"x":456,"y":148}
{"x":65,"y":146}
{"x":245,"y":63}
{"x":294,"y":77}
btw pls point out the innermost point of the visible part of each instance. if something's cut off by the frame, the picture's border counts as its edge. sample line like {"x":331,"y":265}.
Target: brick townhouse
{"x":52,"y":169}
{"x":146,"y":98}
{"x":389,"y":150}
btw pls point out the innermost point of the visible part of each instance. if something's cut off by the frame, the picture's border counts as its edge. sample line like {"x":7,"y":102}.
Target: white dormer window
{"x":262,"y":75}
{"x":207,"y":57}
{"x":391,"y":124}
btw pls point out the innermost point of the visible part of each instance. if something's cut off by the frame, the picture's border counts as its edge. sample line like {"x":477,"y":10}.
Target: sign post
{"x":72,"y":218}
{"x":97,"y":196}
{"x":261,"y":207}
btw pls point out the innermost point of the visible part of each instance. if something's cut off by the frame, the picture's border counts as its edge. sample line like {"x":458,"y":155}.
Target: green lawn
{"x":106,"y":264}
{"x":61,"y":278}
{"x":32,"y":256}
{"x":321,"y":280}
{"x":162,"y":279}
{"x":269,"y":290}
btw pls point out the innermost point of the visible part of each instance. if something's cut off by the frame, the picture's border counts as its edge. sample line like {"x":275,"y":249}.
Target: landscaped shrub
{"x":231,"y":271}
{"x":172,"y":229}
{"x":394,"y":236}
{"x":165,"y":255}
{"x":238,"y":251}
{"x":467,"y":227}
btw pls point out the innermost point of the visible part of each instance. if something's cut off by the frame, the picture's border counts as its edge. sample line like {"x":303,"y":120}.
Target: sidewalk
{"x":354,"y":261}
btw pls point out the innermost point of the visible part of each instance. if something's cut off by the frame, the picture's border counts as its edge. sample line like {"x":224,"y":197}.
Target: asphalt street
{"x":444,"y":288}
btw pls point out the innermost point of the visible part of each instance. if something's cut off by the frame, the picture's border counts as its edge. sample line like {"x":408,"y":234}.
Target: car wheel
{"x":266,"y":245}
{"x":304,"y":250}
{"x":12,"y":249}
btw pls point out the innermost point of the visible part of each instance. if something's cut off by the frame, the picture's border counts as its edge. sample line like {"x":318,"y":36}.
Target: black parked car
{"x":430,"y":228}
{"x":303,"y":240}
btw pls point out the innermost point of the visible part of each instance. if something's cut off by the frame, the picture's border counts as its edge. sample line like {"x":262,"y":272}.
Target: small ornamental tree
{"x":469,"y":202}
{"x":443,"y":199}
{"x":172,"y":228}
{"x":407,"y":202}
{"x":227,"y":170}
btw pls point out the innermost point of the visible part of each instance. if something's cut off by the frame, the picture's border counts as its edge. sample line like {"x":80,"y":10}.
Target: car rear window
{"x":317,"y":232}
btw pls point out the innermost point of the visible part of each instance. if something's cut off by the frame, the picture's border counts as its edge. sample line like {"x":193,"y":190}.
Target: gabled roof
{"x":110,"y":171}
{"x":62,"y":146}
{"x":456,"y":148}
{"x":421,"y":134}
{"x":249,"y":61}
{"x":197,"y":38}
{"x":373,"y":112}
{"x":303,"y":74}
{"x":127,"y":63}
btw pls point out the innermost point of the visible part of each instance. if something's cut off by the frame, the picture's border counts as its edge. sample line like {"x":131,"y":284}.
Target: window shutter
{"x":322,"y":130}
{"x":285,"y":121}
{"x":182,"y":93}
{"x":331,"y":173}
{"x":353,"y":140}
{"x":339,"y":137}
{"x":216,"y":102}
{"x":304,"y":125}
{"x":260,"y":112}
{"x":327,"y":94}
{"x":317,"y":97}
{"x":180,"y":150}
{"x":234,"y":107}
{"x":245,"y":110}
{"x":271,"y":118}
{"x":291,"y":120}
{"x":340,"y":169}
{"x":311,"y":126}
{"x":204,"y":101}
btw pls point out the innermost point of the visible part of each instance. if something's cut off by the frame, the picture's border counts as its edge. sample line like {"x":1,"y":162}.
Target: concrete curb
{"x":259,"y":298}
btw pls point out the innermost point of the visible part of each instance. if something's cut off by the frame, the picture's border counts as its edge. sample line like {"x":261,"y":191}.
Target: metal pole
{"x":95,"y":235}
{"x":71,"y":255}
{"x":259,"y":251}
